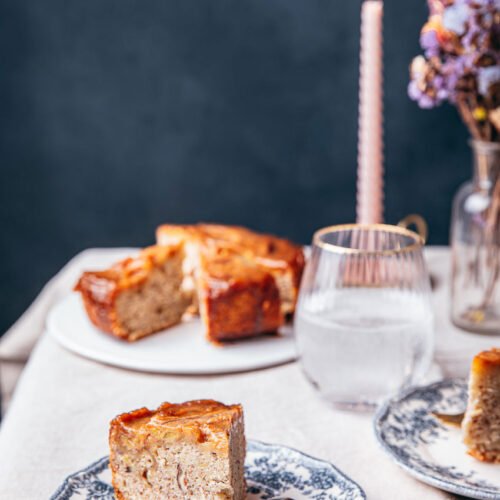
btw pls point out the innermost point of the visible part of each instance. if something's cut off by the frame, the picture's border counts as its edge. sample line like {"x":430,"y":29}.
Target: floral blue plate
{"x":429,"y":450}
{"x":272,"y":472}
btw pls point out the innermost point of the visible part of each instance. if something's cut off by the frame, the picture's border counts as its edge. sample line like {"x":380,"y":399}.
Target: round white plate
{"x":430,"y":450}
{"x":181,"y":349}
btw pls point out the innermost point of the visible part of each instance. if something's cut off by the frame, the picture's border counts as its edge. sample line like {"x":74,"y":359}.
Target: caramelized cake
{"x":241,"y":283}
{"x":137,"y":296}
{"x":237,"y":299}
{"x":193,"y":450}
{"x":282,"y":259}
{"x":481,"y":424}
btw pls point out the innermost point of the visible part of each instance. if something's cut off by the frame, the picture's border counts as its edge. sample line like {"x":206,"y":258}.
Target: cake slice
{"x":137,"y":296}
{"x":279,"y":257}
{"x":481,"y":424}
{"x":237,"y":299}
{"x":193,"y":450}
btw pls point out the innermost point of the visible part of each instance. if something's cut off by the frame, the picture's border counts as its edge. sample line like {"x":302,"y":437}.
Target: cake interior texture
{"x":137,"y":296}
{"x":287,"y":286}
{"x":159,"y":302}
{"x":481,"y":424}
{"x":193,"y":450}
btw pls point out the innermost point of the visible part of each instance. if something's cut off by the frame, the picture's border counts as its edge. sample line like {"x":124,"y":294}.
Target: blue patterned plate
{"x":429,"y":450}
{"x":273,"y":472}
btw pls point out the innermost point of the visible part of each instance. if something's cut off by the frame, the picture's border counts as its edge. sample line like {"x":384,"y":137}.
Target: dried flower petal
{"x":487,"y":77}
{"x":455,"y":18}
{"x":495,"y":118}
{"x":480,"y":114}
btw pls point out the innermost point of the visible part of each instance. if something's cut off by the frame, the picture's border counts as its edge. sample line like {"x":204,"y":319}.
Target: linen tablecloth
{"x":57,"y":421}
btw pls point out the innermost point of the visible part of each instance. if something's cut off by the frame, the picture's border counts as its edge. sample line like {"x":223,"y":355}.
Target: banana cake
{"x":137,"y":296}
{"x":280,"y":258}
{"x":179,"y":451}
{"x":237,"y":299}
{"x":241,"y":283}
{"x":481,"y":424}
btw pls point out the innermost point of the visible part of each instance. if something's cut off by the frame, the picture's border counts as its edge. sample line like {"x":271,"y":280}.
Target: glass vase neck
{"x":486,"y":162}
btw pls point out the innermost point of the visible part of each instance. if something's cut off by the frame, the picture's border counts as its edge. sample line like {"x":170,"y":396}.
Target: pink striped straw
{"x":370,"y":186}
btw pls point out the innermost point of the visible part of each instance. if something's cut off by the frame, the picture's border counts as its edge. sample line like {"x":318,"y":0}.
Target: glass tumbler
{"x":364,"y":321}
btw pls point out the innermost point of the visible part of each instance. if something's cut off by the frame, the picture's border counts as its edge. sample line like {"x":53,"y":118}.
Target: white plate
{"x":181,"y":349}
{"x":429,"y":450}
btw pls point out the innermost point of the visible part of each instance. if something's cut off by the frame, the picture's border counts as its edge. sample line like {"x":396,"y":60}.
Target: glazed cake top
{"x":487,"y":360}
{"x":269,"y":251}
{"x":224,"y":269}
{"x":127,"y":273}
{"x":204,"y":422}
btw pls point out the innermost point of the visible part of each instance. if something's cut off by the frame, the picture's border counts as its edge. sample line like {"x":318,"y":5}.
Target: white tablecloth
{"x":57,"y":421}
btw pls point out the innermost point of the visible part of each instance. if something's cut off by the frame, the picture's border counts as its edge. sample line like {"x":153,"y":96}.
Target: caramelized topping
{"x":487,"y":360}
{"x":186,"y":416}
{"x":268,"y":250}
{"x":126,"y":273}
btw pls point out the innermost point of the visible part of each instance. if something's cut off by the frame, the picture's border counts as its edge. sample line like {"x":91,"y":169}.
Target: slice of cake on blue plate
{"x":179,"y":451}
{"x":481,"y":424}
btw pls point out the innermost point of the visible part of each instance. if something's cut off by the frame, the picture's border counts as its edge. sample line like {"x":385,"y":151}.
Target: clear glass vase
{"x":475,"y":241}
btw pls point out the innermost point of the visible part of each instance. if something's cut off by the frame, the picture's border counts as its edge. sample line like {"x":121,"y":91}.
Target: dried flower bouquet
{"x":461,"y":65}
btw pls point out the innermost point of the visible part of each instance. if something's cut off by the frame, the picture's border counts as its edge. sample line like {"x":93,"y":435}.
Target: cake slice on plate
{"x":237,"y":298}
{"x":280,"y":258}
{"x":481,"y":424}
{"x":193,"y":450}
{"x":243,"y":284}
{"x":137,"y":296}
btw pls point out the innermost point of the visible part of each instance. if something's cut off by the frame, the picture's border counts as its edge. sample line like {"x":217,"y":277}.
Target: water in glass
{"x":364,"y":322}
{"x":368,"y":344}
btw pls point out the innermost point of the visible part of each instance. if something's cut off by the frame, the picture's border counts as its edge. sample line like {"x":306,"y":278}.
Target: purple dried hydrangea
{"x":457,"y":42}
{"x":461,"y":60}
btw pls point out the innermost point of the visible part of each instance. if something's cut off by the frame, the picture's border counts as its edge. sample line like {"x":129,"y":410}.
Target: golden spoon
{"x":446,"y":418}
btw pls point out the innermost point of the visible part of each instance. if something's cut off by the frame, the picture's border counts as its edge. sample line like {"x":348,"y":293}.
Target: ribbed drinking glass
{"x":364,"y":322}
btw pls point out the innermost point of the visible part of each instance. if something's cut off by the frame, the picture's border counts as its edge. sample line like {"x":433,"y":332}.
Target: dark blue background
{"x":117,"y":115}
